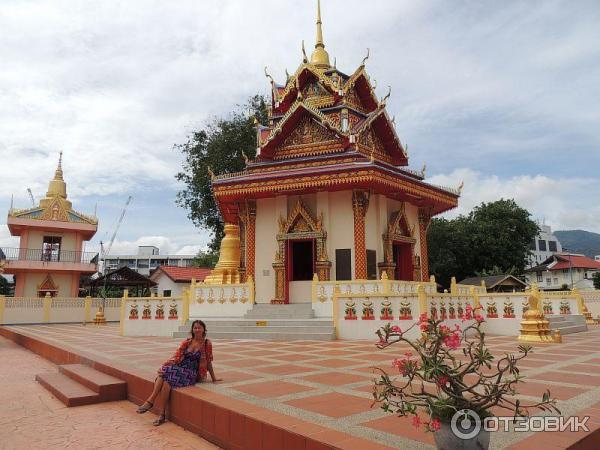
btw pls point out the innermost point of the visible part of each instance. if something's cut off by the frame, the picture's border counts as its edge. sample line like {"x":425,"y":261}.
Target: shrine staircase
{"x":78,"y":384}
{"x":566,"y":324}
{"x":291,"y":322}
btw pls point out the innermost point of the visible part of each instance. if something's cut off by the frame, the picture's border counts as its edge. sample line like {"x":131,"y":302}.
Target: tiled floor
{"x":328,"y":384}
{"x":31,"y":418}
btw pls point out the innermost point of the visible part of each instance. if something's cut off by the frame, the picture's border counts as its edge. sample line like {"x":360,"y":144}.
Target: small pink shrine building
{"x":49,"y":259}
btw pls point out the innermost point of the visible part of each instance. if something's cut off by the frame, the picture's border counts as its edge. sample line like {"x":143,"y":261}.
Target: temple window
{"x":371,"y":265}
{"x":343,"y":264}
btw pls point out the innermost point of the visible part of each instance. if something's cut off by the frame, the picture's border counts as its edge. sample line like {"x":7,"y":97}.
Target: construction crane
{"x":112,"y":239}
{"x":31,"y":196}
{"x":100,"y":319}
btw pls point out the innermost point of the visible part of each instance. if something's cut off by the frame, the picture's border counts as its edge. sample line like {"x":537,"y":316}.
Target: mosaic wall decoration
{"x":548,"y":307}
{"x":386,"y":311}
{"x":133,"y":311}
{"x":367,"y":311}
{"x":405,"y":311}
{"x":160,"y":311}
{"x":565,"y":308}
{"x":509,"y":310}
{"x":350,"y":311}
{"x":173,"y":311}
{"x":147,"y":312}
{"x":492,"y":311}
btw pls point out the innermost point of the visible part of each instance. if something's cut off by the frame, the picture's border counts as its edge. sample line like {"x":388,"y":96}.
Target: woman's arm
{"x":209,"y":359}
{"x":178,"y":356}
{"x":212,"y":373}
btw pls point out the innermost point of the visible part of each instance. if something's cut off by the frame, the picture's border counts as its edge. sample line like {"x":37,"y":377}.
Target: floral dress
{"x":187,"y":368}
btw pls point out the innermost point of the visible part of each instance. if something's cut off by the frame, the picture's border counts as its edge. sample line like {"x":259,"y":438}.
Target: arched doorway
{"x":399,"y":261}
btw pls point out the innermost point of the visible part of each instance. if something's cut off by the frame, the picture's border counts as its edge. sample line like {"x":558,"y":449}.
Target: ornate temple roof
{"x":332,"y":127}
{"x":54,"y":206}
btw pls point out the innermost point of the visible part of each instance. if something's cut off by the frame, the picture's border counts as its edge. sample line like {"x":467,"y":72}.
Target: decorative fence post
{"x":185,"y":313}
{"x":2,"y":303}
{"x":123,"y":310}
{"x":313,"y":287}
{"x":582,"y":308}
{"x":453,"y":287}
{"x":422,"y":299}
{"x":250,"y":283}
{"x":386,"y":283}
{"x":335,"y":301}
{"x":87,"y":302}
{"x":47,"y":307}
{"x":475,"y":295}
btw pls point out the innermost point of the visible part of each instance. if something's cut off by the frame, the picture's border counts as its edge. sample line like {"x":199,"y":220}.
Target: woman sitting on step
{"x":189,"y":365}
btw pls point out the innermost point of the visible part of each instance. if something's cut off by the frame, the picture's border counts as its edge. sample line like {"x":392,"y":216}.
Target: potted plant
{"x":452,"y":392}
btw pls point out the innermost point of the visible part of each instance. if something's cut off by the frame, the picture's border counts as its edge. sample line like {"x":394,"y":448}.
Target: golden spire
{"x":57,"y":186}
{"x":320,"y":57}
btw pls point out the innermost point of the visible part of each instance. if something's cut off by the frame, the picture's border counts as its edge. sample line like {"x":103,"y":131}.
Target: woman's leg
{"x":158,"y":384}
{"x":164,"y":401}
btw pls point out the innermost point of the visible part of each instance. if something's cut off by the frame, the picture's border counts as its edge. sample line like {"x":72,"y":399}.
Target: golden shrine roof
{"x":55,"y":205}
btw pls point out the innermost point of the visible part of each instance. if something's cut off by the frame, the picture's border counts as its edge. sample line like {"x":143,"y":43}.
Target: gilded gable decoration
{"x":47,"y":285}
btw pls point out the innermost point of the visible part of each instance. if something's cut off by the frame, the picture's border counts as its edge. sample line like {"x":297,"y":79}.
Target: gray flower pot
{"x":445,"y":439}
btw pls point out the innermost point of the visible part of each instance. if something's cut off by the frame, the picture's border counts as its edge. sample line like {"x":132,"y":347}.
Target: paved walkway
{"x":329,"y":383}
{"x":31,"y":418}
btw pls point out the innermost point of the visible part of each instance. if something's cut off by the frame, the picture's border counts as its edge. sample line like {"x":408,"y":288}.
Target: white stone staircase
{"x":567,"y":324}
{"x":268,"y":322}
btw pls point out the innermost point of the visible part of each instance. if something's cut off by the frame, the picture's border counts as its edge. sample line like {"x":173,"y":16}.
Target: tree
{"x":219,"y":146}
{"x":205,"y":259}
{"x":596,"y":278}
{"x":493,"y":238}
{"x":4,"y":286}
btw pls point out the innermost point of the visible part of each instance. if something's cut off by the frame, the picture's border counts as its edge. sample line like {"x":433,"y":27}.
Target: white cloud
{"x":114,"y":85}
{"x":563,"y":203}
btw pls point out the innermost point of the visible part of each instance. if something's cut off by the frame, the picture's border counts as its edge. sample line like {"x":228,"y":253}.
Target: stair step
{"x":570,"y":329}
{"x":267,"y":336}
{"x":108,"y":387}
{"x":68,"y":391}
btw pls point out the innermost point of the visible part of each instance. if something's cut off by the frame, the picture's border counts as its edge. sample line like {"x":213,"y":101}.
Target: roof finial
{"x":320,"y":42}
{"x":58,"y":175}
{"x":320,"y":57}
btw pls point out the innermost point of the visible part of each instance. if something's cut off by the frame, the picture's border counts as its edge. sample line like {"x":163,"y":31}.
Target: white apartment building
{"x":147,"y":259}
{"x":543,"y":246}
{"x":564,"y":269}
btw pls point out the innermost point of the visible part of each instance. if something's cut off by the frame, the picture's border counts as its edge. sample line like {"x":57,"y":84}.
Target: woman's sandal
{"x":161,"y":419}
{"x":142,"y":409}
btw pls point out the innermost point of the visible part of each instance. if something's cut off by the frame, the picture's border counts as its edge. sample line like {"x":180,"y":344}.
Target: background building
{"x":544,"y":246}
{"x":147,"y":259}
{"x":171,"y":280}
{"x":564,"y":269}
{"x":49,"y":259}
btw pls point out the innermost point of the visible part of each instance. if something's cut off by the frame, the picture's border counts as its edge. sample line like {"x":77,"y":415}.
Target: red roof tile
{"x":581,"y":262}
{"x":182,"y":273}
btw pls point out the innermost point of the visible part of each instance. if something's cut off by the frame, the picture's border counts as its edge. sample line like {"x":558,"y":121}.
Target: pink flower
{"x":479,"y":318}
{"x":452,"y":341}
{"x":408,"y":354}
{"x":435,"y":425}
{"x":443,"y":380}
{"x":423,"y":318}
{"x":416,"y":421}
{"x":396,"y":329}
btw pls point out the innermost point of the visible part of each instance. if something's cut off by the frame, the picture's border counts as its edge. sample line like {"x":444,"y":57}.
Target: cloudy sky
{"x":502,"y":95}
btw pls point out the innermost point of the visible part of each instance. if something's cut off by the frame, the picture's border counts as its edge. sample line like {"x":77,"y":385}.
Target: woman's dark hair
{"x":201,"y":323}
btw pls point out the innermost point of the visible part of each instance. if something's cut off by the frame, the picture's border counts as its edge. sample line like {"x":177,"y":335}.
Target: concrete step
{"x":571,"y":329}
{"x":269,"y":328}
{"x":269,"y":336}
{"x":109,"y":388}
{"x":68,"y":391}
{"x":291,"y":311}
{"x":213,"y":324}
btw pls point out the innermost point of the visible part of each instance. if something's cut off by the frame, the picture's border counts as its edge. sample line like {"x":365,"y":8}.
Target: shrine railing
{"x":38,"y":254}
{"x":220,"y":300}
{"x":36,"y":310}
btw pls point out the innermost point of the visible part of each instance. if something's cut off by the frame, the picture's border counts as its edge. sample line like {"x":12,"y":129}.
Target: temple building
{"x":49,"y":259}
{"x":329,"y":192}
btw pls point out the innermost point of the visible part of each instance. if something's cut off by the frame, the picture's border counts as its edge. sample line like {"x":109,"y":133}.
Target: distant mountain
{"x":580,"y":241}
